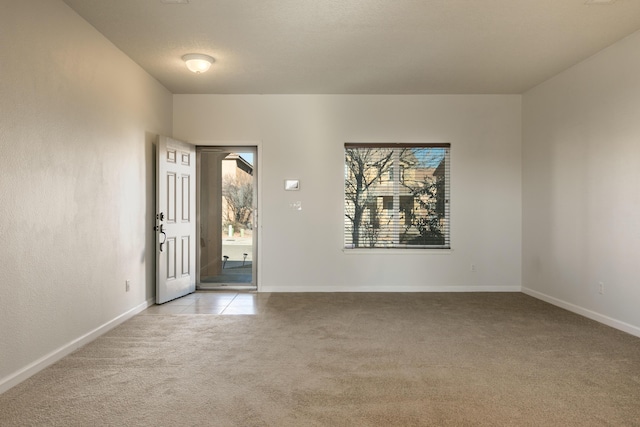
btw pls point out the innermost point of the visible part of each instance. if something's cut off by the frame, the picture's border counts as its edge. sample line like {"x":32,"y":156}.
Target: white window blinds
{"x":396,"y":195}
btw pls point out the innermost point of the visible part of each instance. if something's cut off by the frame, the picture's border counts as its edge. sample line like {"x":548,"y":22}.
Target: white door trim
{"x":257,"y":272}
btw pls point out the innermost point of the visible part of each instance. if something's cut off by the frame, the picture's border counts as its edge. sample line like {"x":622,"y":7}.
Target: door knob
{"x":165,"y":236}
{"x":160,"y":228}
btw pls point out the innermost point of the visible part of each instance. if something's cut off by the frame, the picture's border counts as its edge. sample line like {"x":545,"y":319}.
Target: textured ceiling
{"x":360,"y":46}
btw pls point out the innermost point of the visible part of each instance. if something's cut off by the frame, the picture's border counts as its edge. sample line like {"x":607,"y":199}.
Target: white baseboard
{"x":33,"y":368}
{"x":609,"y":321}
{"x":388,"y":288}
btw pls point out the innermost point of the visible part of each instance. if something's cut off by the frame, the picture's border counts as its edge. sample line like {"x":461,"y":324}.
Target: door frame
{"x":257,"y":178}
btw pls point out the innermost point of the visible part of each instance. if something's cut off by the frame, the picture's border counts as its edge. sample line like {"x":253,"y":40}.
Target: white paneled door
{"x":175,"y":219}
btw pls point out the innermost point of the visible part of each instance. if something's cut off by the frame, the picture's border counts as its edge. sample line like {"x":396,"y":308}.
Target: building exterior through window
{"x":396,"y":196}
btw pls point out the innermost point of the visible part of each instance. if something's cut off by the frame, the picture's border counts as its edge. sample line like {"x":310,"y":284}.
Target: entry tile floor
{"x":212,"y":302}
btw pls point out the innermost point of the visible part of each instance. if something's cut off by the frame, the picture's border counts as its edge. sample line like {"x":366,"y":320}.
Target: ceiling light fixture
{"x":197,"y":62}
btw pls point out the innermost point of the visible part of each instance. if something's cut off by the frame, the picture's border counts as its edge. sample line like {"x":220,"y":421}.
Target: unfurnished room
{"x":320,"y":213}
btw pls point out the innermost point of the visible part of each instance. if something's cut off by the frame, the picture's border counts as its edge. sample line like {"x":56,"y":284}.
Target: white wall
{"x":581,"y":187}
{"x":77,"y":119}
{"x":302,"y":137}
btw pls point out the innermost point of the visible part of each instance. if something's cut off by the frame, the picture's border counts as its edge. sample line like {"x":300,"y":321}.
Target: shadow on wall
{"x":148,"y":255}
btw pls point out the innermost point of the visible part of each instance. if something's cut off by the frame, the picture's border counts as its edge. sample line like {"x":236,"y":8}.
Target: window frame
{"x":443,"y":225}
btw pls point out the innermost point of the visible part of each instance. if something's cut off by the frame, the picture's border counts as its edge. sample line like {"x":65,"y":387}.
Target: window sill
{"x":397,"y":251}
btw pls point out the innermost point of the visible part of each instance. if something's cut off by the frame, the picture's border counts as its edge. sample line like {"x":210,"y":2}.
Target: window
{"x":409,"y":209}
{"x":390,"y":173}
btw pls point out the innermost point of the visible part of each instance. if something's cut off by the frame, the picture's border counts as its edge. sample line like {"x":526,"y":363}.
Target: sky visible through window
{"x":248,"y":157}
{"x":429,"y":157}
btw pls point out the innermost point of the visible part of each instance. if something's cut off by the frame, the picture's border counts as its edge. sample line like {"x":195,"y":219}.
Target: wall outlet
{"x":601,"y":288}
{"x":127,"y":285}
{"x":473,"y":268}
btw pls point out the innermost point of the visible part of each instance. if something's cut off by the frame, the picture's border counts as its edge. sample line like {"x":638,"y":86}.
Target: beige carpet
{"x":345,"y":360}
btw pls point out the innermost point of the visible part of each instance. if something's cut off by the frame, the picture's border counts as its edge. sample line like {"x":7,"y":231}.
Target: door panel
{"x":186,"y":255}
{"x":186,"y":202}
{"x":175,"y":225}
{"x":170,"y":254}
{"x":170,"y":207}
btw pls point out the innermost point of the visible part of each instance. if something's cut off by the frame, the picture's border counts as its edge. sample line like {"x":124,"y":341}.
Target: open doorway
{"x":227,"y":220}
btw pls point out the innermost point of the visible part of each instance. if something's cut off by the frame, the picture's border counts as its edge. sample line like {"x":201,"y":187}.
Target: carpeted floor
{"x":361,"y":359}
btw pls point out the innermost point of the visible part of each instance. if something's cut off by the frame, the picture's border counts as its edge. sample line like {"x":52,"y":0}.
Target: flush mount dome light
{"x":197,"y":62}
